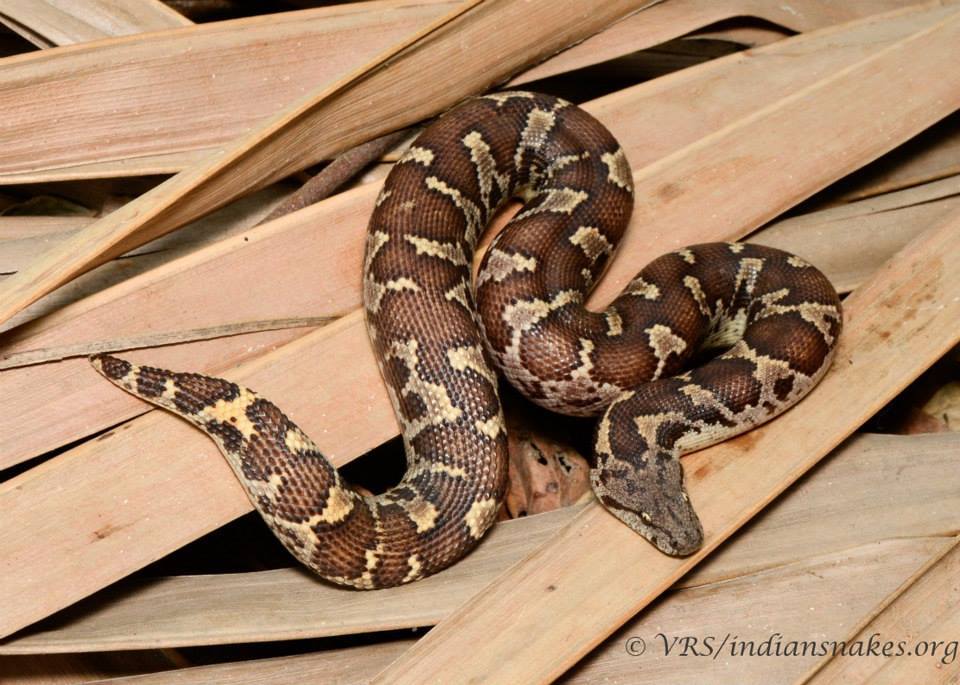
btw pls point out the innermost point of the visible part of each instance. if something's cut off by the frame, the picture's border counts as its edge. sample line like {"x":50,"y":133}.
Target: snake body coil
{"x":434,"y":334}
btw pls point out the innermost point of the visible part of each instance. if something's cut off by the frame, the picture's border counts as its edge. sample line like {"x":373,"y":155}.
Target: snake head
{"x":649,"y":497}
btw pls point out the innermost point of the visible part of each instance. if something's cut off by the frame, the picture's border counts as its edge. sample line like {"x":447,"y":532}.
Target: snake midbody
{"x":437,"y":336}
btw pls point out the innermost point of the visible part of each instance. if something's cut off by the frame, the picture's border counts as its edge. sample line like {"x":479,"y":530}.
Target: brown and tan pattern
{"x":435,"y":336}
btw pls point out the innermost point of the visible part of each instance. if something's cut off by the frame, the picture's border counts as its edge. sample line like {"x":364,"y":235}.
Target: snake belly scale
{"x":438,"y":338}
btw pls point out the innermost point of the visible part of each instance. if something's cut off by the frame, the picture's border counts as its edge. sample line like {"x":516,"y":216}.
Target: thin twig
{"x":60,"y":352}
{"x":336,"y":174}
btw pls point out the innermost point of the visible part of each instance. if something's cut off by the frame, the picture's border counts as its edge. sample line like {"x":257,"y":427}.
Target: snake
{"x":703,"y":344}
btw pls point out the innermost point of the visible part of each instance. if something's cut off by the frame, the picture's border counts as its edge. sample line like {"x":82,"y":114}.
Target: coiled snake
{"x":434,"y":336}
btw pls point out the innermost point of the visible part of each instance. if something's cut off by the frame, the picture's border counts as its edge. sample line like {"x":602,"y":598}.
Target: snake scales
{"x":434,"y":336}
